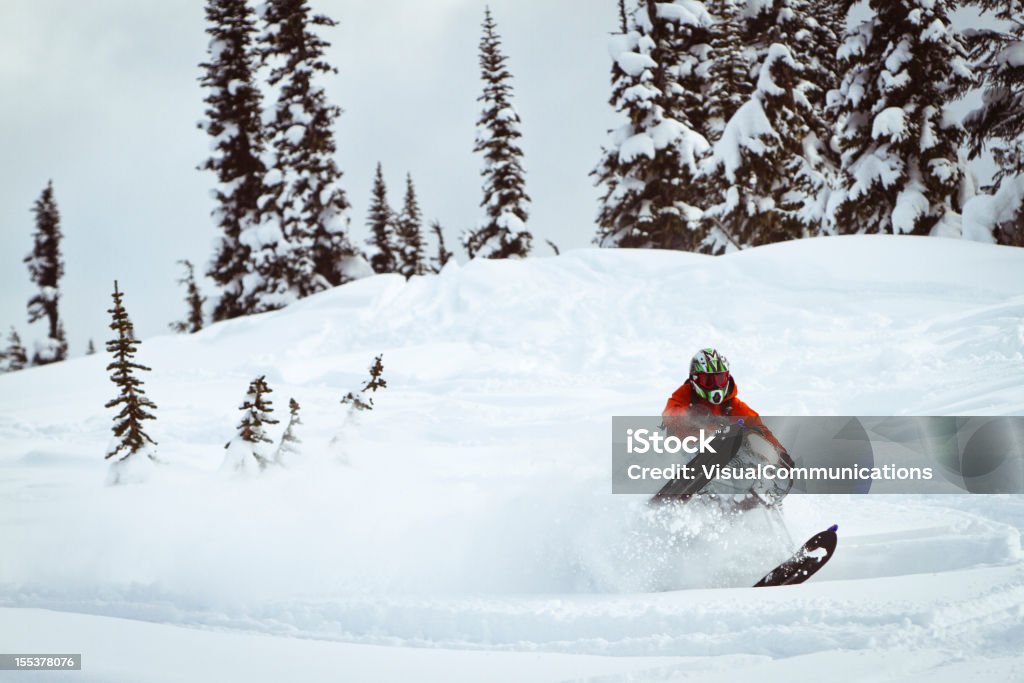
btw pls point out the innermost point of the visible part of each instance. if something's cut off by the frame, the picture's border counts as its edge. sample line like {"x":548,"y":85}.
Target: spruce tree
{"x":409,"y":234}
{"x":502,"y":233}
{"x":648,"y":171}
{"x":998,"y":124}
{"x":381,"y":221}
{"x":193,"y":321}
{"x":811,"y":30}
{"x":130,"y":439}
{"x":304,"y":197}
{"x":290,"y":441}
{"x":232,"y":120}
{"x":769,"y":171}
{"x":46,"y":269}
{"x":14,"y":357}
{"x":362,"y":401}
{"x":902,"y":172}
{"x":91,"y":349}
{"x":739,"y":42}
{"x":376,"y":380}
{"x":250,"y":442}
{"x":729,"y":66}
{"x":443,"y":255}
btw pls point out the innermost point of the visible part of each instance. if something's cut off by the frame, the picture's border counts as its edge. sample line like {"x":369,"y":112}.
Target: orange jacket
{"x":680,"y":401}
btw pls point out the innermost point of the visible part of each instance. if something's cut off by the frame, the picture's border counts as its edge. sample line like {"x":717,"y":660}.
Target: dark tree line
{"x":281,"y":210}
{"x":397,"y":237}
{"x":752,"y":123}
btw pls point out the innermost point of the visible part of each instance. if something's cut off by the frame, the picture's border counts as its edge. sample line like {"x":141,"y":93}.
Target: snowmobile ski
{"x":811,"y":557}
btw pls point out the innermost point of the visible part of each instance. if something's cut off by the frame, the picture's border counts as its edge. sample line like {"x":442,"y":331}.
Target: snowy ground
{"x":464,"y":529}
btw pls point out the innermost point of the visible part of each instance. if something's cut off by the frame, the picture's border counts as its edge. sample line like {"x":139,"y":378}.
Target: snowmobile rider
{"x":709,"y":395}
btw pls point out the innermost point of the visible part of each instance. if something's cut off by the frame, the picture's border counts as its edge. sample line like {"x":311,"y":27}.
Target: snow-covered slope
{"x":471,"y":510}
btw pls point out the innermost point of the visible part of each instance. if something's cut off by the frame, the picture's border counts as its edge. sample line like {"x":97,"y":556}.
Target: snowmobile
{"x":742,"y":448}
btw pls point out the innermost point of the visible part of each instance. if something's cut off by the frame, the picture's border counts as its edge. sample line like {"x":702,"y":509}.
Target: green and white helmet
{"x":709,"y":375}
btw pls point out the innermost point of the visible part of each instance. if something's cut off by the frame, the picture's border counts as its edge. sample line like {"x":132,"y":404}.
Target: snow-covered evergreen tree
{"x":902,"y":171}
{"x":46,"y":268}
{"x":999,"y":125}
{"x":443,"y":255}
{"x":304,"y":201}
{"x":130,"y":441}
{"x":834,"y":15}
{"x":648,"y":171}
{"x":14,"y":357}
{"x":731,"y":58}
{"x":193,"y":321}
{"x":233,"y":124}
{"x":277,"y":265}
{"x":502,"y":233}
{"x":409,"y":234}
{"x":250,"y":445}
{"x":381,"y":221}
{"x":290,"y":440}
{"x":769,"y":172}
{"x":812,"y":30}
{"x":91,"y":348}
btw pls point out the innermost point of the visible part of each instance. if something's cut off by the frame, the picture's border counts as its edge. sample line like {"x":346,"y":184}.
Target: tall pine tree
{"x":381,"y":221}
{"x":304,"y":198}
{"x":233,"y":123}
{"x":502,"y":233}
{"x":130,"y":439}
{"x":46,"y":269}
{"x":409,"y":231}
{"x":901,"y":68}
{"x":648,"y":171}
{"x":998,"y":123}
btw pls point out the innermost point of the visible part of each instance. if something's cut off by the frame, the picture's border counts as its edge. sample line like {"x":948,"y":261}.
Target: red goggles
{"x":712,"y":380}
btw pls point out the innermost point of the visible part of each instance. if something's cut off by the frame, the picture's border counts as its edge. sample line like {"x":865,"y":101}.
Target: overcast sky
{"x":103,"y":97}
